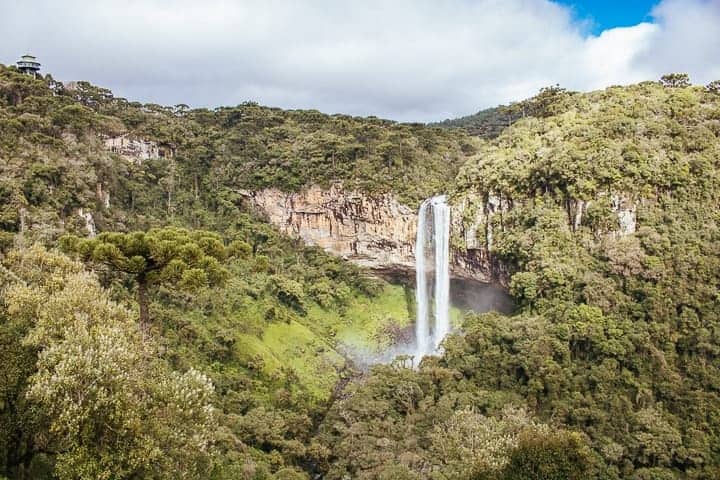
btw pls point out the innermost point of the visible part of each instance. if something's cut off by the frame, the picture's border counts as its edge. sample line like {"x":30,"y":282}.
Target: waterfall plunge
{"x":441,"y":234}
{"x":422,"y":327}
{"x":436,"y":234}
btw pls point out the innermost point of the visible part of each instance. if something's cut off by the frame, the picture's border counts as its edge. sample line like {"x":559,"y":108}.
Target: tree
{"x":713,"y":87}
{"x":557,"y":456}
{"x":113,"y":409}
{"x":469,"y":443}
{"x":546,"y":103}
{"x":187,"y":258}
{"x":89,"y":95}
{"x":675,"y":80}
{"x":21,"y":428}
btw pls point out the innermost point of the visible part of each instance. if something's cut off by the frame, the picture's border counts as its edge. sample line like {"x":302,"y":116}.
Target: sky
{"x":407,"y":60}
{"x":599,"y":15}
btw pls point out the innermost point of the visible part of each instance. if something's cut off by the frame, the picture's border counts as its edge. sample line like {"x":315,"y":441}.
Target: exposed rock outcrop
{"x":102,"y":195}
{"x":626,"y":211}
{"x":373,"y":231}
{"x":136,"y":150}
{"x":89,"y":220}
{"x":472,"y":232}
{"x":379,"y":232}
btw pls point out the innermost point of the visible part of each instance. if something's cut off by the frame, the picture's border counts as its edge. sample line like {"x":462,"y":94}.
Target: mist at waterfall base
{"x":435,"y":292}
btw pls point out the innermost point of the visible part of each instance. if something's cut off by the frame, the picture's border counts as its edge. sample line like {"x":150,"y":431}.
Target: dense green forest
{"x":262,"y":317}
{"x":490,"y":122}
{"x":190,"y":339}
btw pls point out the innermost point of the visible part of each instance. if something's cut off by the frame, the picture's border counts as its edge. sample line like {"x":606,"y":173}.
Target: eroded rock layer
{"x":374,"y":231}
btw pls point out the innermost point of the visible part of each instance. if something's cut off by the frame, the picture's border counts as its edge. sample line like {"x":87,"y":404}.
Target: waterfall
{"x":441,"y":235}
{"x":437,"y":235}
{"x":422,"y":326}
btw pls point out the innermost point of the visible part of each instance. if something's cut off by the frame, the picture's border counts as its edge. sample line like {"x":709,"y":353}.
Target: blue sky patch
{"x":600,"y":15}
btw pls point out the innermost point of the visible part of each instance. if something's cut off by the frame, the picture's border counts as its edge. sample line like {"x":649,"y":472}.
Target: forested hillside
{"x":490,"y":122}
{"x":262,"y":317}
{"x":615,"y":348}
{"x":190,"y":339}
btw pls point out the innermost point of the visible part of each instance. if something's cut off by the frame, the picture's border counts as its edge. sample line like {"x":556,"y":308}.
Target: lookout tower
{"x":29,"y":64}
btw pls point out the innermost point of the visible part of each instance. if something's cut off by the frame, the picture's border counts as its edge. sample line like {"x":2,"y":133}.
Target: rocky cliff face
{"x":472,"y":234}
{"x":136,"y":150}
{"x":373,"y":231}
{"x":376,"y":232}
{"x":379,"y":232}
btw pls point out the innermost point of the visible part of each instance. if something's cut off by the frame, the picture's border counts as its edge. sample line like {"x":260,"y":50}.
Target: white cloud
{"x":404,"y":59}
{"x":687,"y":40}
{"x":610,"y":58}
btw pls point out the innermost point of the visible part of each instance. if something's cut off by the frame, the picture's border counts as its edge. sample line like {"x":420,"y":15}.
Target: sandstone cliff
{"x":373,"y":231}
{"x":379,"y":232}
{"x":136,"y":150}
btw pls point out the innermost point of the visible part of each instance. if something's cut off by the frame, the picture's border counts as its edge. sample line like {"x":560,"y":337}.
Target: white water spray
{"x":428,"y":340}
